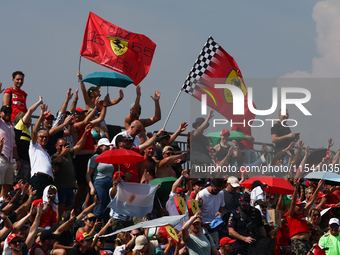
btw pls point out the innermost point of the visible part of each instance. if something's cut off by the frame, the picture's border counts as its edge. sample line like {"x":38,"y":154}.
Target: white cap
{"x":104,"y":141}
{"x":334,"y":221}
{"x":233,"y":181}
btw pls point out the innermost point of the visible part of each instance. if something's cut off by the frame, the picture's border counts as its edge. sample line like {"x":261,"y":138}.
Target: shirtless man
{"x":164,"y":168}
{"x":92,"y":93}
{"x":146,"y":168}
{"x":135,"y":112}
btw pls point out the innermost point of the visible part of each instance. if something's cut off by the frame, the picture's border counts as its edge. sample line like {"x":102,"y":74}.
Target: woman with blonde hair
{"x":123,"y":243}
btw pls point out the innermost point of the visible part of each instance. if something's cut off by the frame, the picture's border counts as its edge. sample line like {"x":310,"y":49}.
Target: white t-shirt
{"x":136,"y":141}
{"x":172,"y":210}
{"x":40,"y":160}
{"x":211,"y":204}
{"x":120,"y":250}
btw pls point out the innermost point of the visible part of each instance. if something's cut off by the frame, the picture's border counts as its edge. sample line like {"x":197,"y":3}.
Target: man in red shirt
{"x":296,"y":218}
{"x":14,"y":96}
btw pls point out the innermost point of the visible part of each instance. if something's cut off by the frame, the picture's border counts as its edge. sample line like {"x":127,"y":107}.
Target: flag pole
{"x":167,"y":118}
{"x":79,"y":66}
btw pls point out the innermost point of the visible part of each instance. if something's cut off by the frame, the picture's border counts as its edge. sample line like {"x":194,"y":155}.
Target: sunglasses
{"x":92,"y":219}
{"x":136,"y":234}
{"x":43,"y":137}
{"x":169,"y":153}
{"x":17,"y":241}
{"x":316,"y":214}
{"x":334,"y":226}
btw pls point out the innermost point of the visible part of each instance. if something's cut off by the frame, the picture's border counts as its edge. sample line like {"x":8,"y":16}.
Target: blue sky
{"x":268,"y":39}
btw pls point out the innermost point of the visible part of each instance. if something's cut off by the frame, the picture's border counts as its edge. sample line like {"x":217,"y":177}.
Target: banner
{"x":116,"y":48}
{"x":134,"y":199}
{"x":215,"y":66}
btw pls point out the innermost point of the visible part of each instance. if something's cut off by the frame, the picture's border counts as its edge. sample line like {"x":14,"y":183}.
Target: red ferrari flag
{"x":116,"y":48}
{"x":215,"y":66}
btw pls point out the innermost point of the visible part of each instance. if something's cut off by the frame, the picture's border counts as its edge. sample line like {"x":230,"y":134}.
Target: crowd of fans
{"x":55,"y":195}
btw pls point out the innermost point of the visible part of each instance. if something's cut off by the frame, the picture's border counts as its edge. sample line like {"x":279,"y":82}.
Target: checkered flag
{"x":201,"y":65}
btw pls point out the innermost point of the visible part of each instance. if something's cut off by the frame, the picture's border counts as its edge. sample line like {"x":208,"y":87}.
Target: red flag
{"x":116,"y":48}
{"x":215,"y":66}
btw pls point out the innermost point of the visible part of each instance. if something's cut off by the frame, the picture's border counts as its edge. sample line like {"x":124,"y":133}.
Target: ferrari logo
{"x":234,"y":79}
{"x":118,"y":45}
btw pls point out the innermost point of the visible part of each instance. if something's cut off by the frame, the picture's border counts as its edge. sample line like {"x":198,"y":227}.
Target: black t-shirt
{"x":231,"y":202}
{"x":220,"y":155}
{"x":52,"y":140}
{"x":238,"y":223}
{"x":280,"y":130}
{"x":75,"y":251}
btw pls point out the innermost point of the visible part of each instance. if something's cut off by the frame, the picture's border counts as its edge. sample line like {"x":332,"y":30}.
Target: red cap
{"x":17,"y":186}
{"x":117,"y":174}
{"x":79,"y":110}
{"x":103,"y":252}
{"x":11,"y":237}
{"x":179,"y":190}
{"x":48,"y":115}
{"x":299,"y":202}
{"x":225,"y":131}
{"x":83,"y":236}
{"x":226,"y":240}
{"x":320,"y":195}
{"x":37,"y":201}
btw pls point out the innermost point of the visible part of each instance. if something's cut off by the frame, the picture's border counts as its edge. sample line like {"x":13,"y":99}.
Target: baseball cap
{"x":245,"y":199}
{"x":49,"y":115}
{"x":90,"y":215}
{"x":334,"y":221}
{"x":168,"y":148}
{"x":11,"y":237}
{"x":79,"y":110}
{"x":123,"y":138}
{"x":299,"y":202}
{"x":52,"y":188}
{"x":197,"y":181}
{"x":197,"y":220}
{"x":225,"y":131}
{"x":104,"y":141}
{"x":165,"y":134}
{"x":320,"y":195}
{"x":105,"y":252}
{"x":6,"y":107}
{"x":261,"y":202}
{"x":179,"y":190}
{"x":117,"y":174}
{"x":91,"y":89}
{"x":226,"y":240}
{"x":233,"y":181}
{"x":83,"y":236}
{"x":140,"y":242}
{"x":47,"y":234}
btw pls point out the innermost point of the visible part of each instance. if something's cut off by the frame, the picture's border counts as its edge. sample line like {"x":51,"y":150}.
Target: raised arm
{"x":150,"y":141}
{"x":135,"y":110}
{"x":34,"y":228}
{"x":200,"y":129}
{"x":186,"y":226}
{"x":117,"y":100}
{"x":280,"y":154}
{"x":171,"y":159}
{"x":82,"y":140}
{"x":313,"y":197}
{"x":74,"y":103}
{"x":178,"y":182}
{"x":30,"y":110}
{"x":7,"y":226}
{"x":87,"y":99}
{"x":158,"y":115}
{"x":36,"y":128}
{"x":182,"y":127}
{"x":89,"y":209}
{"x":291,"y":210}
{"x":102,"y":115}
{"x":102,"y":232}
{"x":69,"y":95}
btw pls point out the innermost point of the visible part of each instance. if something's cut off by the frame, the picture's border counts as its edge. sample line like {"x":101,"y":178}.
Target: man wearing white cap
{"x":231,"y":197}
{"x":331,"y":240}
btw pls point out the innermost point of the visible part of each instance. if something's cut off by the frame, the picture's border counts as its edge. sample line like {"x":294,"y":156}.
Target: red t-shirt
{"x":132,"y":168}
{"x":89,"y":142}
{"x":282,"y":238}
{"x":48,"y":218}
{"x":297,"y":224}
{"x":18,"y":101}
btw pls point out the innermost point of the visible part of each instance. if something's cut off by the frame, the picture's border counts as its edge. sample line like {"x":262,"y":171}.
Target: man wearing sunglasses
{"x":164,"y":167}
{"x":135,"y":129}
{"x":83,"y":247}
{"x":331,"y":240}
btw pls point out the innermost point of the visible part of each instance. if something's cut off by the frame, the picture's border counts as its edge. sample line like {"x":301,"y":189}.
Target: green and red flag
{"x":116,"y":48}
